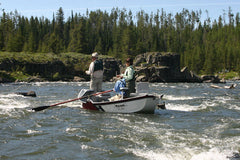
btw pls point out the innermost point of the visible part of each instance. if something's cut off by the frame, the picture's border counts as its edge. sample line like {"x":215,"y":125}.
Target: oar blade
{"x":40,"y":108}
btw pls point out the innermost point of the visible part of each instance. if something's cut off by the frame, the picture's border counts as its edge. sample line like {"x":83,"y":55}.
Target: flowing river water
{"x":200,"y":123}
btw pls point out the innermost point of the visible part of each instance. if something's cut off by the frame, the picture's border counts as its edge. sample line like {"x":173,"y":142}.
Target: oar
{"x":71,"y":100}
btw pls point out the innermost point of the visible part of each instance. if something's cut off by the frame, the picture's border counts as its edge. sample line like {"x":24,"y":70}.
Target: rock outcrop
{"x":164,"y":67}
{"x":111,"y":68}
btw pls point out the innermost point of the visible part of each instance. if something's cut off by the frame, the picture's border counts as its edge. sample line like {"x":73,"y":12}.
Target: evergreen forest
{"x":206,"y":46}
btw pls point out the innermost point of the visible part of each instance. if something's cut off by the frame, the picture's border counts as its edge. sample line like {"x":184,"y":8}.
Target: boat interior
{"x":141,"y":90}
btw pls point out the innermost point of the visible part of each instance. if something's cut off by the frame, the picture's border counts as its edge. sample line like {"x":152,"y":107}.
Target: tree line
{"x":206,"y":46}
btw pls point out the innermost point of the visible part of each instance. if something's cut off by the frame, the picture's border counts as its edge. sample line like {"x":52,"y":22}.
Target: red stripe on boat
{"x":89,"y":105}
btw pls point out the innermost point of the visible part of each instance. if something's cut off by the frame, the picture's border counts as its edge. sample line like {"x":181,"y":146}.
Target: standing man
{"x":96,"y":73}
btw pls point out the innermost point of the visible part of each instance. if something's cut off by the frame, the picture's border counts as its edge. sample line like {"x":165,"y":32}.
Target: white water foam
{"x":184,"y":107}
{"x":173,"y":97}
{"x":11,"y":101}
{"x":179,"y":154}
{"x":235,"y":107}
{"x":71,"y":129}
{"x":212,"y":154}
{"x":74,"y":104}
{"x":33,"y":131}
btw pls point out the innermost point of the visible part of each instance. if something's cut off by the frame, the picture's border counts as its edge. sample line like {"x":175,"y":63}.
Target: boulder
{"x":35,"y":79}
{"x":165,"y":67}
{"x":158,"y":67}
{"x":111,"y":68}
{"x":189,"y":76}
{"x":210,"y":79}
{"x":30,"y":93}
{"x":78,"y":79}
{"x":141,"y":78}
{"x":139,"y":59}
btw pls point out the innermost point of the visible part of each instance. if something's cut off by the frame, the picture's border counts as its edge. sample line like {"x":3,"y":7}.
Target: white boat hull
{"x":137,"y":104}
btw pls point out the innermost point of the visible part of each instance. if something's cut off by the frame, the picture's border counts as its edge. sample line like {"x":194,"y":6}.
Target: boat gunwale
{"x":123,"y":100}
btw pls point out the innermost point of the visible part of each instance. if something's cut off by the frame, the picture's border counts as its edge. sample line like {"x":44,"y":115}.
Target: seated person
{"x":129,"y":76}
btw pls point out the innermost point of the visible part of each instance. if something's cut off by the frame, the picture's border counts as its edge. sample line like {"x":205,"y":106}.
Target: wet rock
{"x":141,"y":78}
{"x":210,"y":79}
{"x":236,"y":156}
{"x":161,"y":106}
{"x":189,"y":76}
{"x":30,"y":93}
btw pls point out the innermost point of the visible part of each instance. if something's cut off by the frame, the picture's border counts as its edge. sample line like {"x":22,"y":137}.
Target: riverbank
{"x":29,"y":67}
{"x":150,"y":67}
{"x":234,"y":76}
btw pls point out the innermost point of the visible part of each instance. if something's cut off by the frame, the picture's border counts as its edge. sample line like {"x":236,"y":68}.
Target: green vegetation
{"x":4,"y":74}
{"x":207,"y":46}
{"x":66,"y":58}
{"x":19,"y":75}
{"x":20,"y":66}
{"x":13,"y":76}
{"x":229,"y":75}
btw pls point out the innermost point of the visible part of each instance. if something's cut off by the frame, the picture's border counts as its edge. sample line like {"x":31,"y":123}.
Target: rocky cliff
{"x":164,"y":67}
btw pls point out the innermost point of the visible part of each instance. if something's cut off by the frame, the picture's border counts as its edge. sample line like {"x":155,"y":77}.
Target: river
{"x":200,"y":123}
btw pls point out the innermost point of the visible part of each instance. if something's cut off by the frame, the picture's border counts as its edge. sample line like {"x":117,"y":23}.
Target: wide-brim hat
{"x":95,"y":54}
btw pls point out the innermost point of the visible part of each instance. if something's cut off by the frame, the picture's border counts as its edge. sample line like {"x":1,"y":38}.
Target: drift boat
{"x":102,"y":101}
{"x":136,"y":103}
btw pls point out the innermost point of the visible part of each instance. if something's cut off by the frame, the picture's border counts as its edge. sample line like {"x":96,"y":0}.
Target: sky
{"x":46,"y":8}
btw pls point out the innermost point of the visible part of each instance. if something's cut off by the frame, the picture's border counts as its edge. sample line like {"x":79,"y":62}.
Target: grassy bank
{"x":229,"y":75}
{"x":45,"y":57}
{"x":76,"y":62}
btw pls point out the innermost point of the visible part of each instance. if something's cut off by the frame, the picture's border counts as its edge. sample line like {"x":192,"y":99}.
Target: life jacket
{"x":98,"y":65}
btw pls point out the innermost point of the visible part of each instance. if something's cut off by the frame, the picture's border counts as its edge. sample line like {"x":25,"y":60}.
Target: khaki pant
{"x":96,"y":84}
